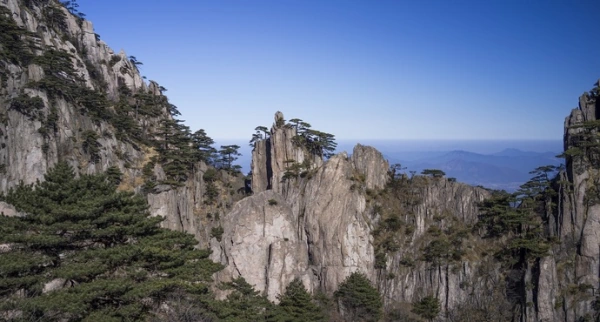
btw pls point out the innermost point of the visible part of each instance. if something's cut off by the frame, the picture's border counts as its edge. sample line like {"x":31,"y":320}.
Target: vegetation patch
{"x":28,"y":106}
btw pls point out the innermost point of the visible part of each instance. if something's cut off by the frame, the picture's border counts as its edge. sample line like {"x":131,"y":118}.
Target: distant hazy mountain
{"x":507,"y":169}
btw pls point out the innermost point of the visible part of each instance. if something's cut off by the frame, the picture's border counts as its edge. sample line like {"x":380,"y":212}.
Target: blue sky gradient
{"x":449,"y":70}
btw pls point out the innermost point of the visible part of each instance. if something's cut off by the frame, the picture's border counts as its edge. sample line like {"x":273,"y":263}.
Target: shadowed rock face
{"x":272,"y":156}
{"x":334,"y":224}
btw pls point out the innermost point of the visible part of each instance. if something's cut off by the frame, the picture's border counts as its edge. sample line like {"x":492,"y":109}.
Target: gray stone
{"x":370,"y":163}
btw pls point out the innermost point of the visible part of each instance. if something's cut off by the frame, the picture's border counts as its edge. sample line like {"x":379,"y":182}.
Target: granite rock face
{"x":333,"y":222}
{"x":368,"y":161}
{"x":28,"y":149}
{"x":261,"y":242}
{"x":567,"y":280}
{"x":272,"y":156}
{"x":308,"y":217}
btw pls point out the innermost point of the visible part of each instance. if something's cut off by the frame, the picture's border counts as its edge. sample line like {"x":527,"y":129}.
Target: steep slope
{"x":568,"y":279}
{"x":65,"y":95}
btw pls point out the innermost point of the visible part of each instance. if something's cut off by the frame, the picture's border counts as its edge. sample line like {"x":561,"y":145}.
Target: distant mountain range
{"x":507,"y":169}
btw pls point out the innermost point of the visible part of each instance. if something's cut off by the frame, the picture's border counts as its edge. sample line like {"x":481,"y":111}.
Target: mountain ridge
{"x":309,"y":216}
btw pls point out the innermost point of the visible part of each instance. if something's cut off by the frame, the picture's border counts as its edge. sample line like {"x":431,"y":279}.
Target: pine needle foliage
{"x":244,"y":303}
{"x":108,"y":259}
{"x":359,"y":299}
{"x":428,"y":308}
{"x":297,"y":305}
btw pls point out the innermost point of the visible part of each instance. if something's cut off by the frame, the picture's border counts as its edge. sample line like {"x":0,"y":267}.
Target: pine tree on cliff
{"x":227,"y":155}
{"x":316,"y":142}
{"x":202,"y":145}
{"x":106,"y":257}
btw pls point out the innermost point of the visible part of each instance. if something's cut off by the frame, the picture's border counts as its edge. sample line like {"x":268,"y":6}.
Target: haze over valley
{"x":494,"y":164}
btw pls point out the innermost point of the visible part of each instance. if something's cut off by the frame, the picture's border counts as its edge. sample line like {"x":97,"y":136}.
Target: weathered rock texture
{"x":567,"y":280}
{"x":309,"y":218}
{"x":260,"y":242}
{"x":28,"y":148}
{"x":372,"y":165}
{"x":327,"y":210}
{"x":272,"y":157}
{"x":453,"y":201}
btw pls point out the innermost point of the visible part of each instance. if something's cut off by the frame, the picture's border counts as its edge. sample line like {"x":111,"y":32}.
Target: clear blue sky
{"x":498,"y":69}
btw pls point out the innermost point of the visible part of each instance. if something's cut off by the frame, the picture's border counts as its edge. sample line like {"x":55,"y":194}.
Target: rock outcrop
{"x":9,"y":210}
{"x":59,"y":121}
{"x":29,"y":153}
{"x":369,"y":162}
{"x":567,"y":280}
{"x":310,"y":218}
{"x":272,"y":157}
{"x":326,"y":209}
{"x":260,"y":241}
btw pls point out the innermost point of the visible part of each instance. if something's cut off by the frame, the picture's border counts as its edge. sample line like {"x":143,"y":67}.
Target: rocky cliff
{"x":568,"y":279}
{"x":419,"y":236}
{"x":65,"y":95}
{"x":318,"y":223}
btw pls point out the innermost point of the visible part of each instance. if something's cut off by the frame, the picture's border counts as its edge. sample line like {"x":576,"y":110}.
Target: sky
{"x":371,"y":70}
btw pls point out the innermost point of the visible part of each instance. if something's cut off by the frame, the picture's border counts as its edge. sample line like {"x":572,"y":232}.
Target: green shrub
{"x":359,"y":298}
{"x":91,"y":145}
{"x":16,"y":42}
{"x":114,"y":175}
{"x":380,"y":261}
{"x":210,"y":175}
{"x":217,"y":232}
{"x":393,"y":223}
{"x":436,"y":173}
{"x":407,"y":261}
{"x":28,"y":106}
{"x":297,"y":305}
{"x":114,"y":60}
{"x":428,"y":307}
{"x":211,"y":193}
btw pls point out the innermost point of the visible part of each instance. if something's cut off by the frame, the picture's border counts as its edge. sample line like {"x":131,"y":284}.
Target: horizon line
{"x":401,"y":139}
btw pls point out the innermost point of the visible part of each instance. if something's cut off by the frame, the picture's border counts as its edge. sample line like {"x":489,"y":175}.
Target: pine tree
{"x":316,"y":142}
{"x":227,"y":155}
{"x":202,"y":144}
{"x":111,"y":260}
{"x":175,"y":148}
{"x":296,"y":305}
{"x":359,"y":299}
{"x":243,"y":303}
